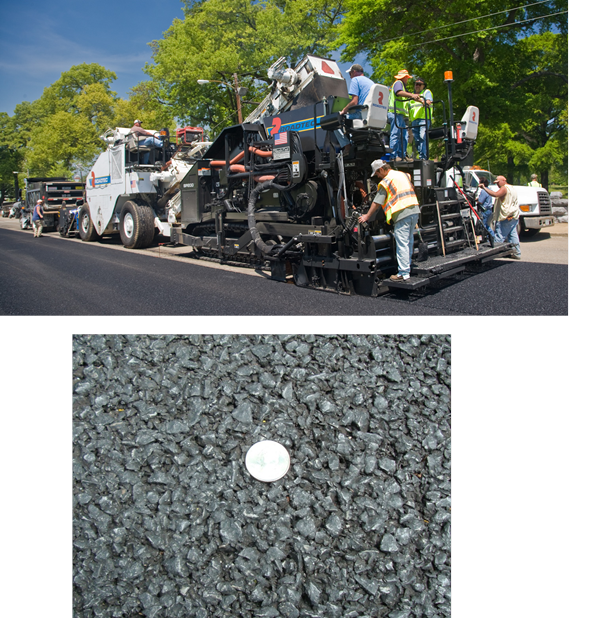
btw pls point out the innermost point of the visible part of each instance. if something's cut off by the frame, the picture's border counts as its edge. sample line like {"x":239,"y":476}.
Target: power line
{"x":524,"y":6}
{"x":455,"y":36}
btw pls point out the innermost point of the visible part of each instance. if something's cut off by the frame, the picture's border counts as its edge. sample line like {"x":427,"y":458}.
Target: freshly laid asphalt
{"x":52,"y":276}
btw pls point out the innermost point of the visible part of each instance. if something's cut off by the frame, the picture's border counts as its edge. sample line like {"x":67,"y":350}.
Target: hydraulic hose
{"x":219,"y":163}
{"x":260,"y":187}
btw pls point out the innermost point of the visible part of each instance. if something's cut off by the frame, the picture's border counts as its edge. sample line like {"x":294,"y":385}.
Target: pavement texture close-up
{"x":168,"y":522}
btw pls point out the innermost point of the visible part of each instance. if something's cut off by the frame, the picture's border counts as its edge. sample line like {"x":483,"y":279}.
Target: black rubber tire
{"x":136,"y":225}
{"x":86,"y":228}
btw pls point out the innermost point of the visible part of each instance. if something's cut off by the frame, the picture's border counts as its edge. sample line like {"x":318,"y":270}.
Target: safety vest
{"x":534,"y":184}
{"x":417,"y":109}
{"x":398,"y":105}
{"x":400,"y":193}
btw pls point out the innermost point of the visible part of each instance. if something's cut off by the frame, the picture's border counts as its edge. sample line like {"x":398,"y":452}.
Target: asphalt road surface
{"x":55,"y":276}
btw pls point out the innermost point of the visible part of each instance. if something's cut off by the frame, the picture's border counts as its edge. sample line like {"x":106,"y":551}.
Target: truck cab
{"x":534,"y":202}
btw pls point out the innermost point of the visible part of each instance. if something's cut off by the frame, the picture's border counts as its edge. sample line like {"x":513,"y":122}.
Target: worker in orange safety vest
{"x":398,"y":200}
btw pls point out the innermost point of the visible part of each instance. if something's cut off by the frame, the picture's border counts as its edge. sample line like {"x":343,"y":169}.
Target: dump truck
{"x":284,"y":190}
{"x":56,"y":192}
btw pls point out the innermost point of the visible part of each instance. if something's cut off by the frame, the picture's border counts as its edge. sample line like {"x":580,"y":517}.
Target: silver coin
{"x":267,"y":461}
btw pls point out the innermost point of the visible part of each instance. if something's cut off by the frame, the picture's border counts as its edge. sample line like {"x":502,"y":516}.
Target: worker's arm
{"x":353,"y":101}
{"x":495,"y":194}
{"x":372,"y":210}
{"x":407,"y":95}
{"x":141,"y":131}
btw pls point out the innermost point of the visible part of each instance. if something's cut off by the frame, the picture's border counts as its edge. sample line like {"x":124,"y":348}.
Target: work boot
{"x":399,"y":278}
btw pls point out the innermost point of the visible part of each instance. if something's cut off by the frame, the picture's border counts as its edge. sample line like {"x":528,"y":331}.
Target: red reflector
{"x":326,"y":68}
{"x":355,"y":229}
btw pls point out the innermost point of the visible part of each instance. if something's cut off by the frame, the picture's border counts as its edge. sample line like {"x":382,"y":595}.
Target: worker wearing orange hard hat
{"x":398,"y":138}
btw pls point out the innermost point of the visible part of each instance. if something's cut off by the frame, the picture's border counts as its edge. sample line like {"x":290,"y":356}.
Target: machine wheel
{"x":87,"y":230}
{"x":136,"y":225}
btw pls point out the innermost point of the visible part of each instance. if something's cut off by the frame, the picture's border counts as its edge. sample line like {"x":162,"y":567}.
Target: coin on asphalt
{"x":267,"y":461}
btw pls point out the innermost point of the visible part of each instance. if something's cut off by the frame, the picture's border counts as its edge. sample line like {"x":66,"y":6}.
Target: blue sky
{"x":39,"y":40}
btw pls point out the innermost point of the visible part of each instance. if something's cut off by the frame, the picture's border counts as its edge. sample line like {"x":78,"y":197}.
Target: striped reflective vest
{"x":417,"y":109}
{"x":398,"y":105}
{"x":400,"y":193}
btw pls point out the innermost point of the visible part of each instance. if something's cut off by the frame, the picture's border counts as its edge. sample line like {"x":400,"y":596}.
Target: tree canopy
{"x":218,"y":38}
{"x":60,"y":132}
{"x":510,"y":63}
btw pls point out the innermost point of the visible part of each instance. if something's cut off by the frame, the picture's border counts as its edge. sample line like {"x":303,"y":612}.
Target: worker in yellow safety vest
{"x":534,"y":182}
{"x":398,"y":112}
{"x":420,"y":113}
{"x":397,"y":199}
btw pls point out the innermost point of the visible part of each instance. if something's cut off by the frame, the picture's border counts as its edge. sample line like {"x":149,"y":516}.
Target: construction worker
{"x":147,"y":139}
{"x":486,"y":204}
{"x":506,"y":214}
{"x":358,"y":89}
{"x":420,"y":114}
{"x":398,"y":138}
{"x":534,"y":182}
{"x":396,"y":197}
{"x":38,"y":219}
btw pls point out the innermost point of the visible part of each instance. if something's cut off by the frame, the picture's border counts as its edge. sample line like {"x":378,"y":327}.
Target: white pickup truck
{"x":534,"y":202}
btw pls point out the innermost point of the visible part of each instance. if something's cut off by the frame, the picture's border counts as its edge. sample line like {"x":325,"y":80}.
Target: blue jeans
{"x":485,"y":218}
{"x":151,"y":141}
{"x":398,"y":138}
{"x":403,"y":231}
{"x":507,"y":230}
{"x":419,"y":128}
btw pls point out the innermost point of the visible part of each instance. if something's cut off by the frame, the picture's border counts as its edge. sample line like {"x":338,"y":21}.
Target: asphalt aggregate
{"x":52,"y":276}
{"x":167,"y":521}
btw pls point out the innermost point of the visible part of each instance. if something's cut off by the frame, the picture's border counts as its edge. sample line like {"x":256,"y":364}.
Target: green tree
{"x":60,"y":130}
{"x":218,"y":38}
{"x":10,"y":160}
{"x":64,"y":93}
{"x":63,"y":142}
{"x":14,"y":134}
{"x":144,"y":104}
{"x":507,"y":62}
